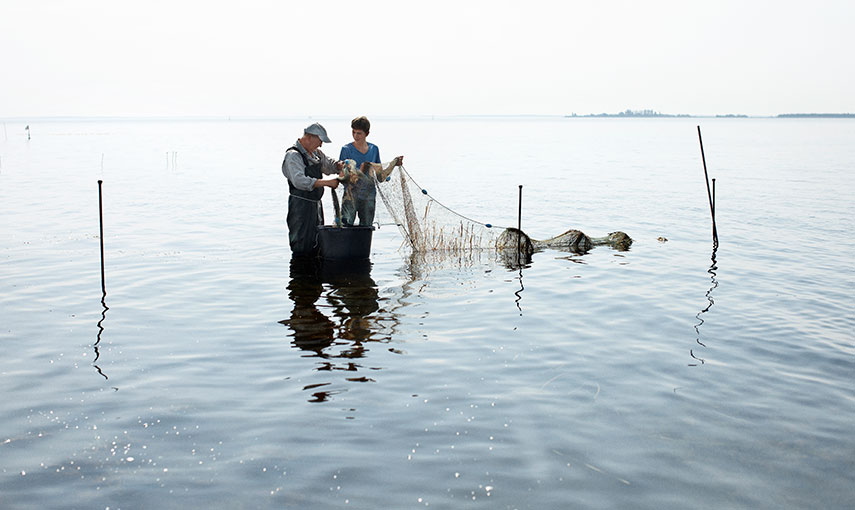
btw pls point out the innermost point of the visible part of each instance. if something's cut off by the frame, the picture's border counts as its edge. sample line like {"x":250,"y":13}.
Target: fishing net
{"x":429,"y":226}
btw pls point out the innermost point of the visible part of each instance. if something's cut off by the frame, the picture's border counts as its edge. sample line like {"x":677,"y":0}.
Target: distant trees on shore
{"x":817,"y":115}
{"x":654,"y":113}
{"x":632,"y":113}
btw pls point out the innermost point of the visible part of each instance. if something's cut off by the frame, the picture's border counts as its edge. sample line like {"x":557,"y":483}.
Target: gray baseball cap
{"x":317,"y":129}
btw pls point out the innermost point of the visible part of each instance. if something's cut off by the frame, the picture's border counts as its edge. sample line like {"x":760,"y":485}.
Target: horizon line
{"x":220,"y":117}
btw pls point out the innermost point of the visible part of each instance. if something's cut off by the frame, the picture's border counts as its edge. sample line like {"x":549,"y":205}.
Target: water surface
{"x":216,"y":373}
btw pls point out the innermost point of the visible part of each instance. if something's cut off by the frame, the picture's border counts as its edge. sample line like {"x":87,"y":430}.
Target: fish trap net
{"x":429,"y":226}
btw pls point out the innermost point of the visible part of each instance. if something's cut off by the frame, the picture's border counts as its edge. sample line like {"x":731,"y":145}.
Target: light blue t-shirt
{"x":350,"y":152}
{"x":364,"y":188}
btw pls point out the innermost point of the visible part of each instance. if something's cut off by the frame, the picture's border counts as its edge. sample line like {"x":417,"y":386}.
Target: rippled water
{"x":215,"y":373}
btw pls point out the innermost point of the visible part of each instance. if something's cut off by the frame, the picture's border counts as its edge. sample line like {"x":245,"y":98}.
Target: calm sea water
{"x":214,"y":373}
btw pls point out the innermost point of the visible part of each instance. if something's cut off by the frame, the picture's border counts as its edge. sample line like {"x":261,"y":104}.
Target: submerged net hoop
{"x":427,"y":225}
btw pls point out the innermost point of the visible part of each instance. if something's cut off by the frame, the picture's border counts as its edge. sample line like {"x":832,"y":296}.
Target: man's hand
{"x":330,"y":183}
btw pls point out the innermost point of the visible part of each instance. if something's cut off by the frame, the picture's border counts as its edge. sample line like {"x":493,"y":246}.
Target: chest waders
{"x":305,"y":212}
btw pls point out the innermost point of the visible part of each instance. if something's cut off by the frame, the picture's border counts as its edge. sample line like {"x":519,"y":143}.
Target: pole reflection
{"x":710,"y":301}
{"x":100,"y":331}
{"x":518,"y":293}
{"x":420,"y":264}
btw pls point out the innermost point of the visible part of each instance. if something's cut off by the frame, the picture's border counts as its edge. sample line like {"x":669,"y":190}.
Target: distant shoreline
{"x":644,"y":114}
{"x":654,"y":114}
{"x":817,"y":116}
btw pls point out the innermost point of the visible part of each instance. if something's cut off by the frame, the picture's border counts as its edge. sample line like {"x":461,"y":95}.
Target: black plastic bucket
{"x":348,"y":243}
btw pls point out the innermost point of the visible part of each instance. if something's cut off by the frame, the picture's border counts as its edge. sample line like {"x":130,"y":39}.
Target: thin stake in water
{"x":101,"y":231}
{"x":713,"y":197}
{"x":103,"y":286}
{"x":709,"y":193}
{"x":519,"y":226}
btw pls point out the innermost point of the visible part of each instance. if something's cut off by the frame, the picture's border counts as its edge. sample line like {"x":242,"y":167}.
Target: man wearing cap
{"x":304,"y":167}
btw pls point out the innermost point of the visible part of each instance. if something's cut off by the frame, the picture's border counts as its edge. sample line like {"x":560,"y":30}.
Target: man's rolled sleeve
{"x":295,"y":172}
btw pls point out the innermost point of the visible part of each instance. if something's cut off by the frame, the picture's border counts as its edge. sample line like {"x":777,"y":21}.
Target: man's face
{"x":359,"y":135}
{"x":313,"y":143}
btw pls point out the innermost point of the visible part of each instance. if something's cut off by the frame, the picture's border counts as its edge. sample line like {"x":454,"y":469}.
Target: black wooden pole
{"x":101,"y":226}
{"x":709,"y":193}
{"x":519,"y":226}
{"x":713,"y":197}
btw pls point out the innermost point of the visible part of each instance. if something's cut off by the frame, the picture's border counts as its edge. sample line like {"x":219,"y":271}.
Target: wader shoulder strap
{"x":312,"y":170}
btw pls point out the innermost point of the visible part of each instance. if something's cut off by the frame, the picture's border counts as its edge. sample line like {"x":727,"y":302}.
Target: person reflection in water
{"x":338,"y":339}
{"x":313,"y":331}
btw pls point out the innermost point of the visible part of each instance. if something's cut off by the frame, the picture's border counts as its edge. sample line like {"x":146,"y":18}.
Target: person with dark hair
{"x":361,"y":192}
{"x":360,"y":150}
{"x":304,"y":166}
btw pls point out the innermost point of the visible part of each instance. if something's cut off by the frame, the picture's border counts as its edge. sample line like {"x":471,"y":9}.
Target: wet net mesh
{"x":429,"y":226}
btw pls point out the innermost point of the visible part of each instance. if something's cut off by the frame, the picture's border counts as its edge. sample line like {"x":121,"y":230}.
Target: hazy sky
{"x":283,"y":58}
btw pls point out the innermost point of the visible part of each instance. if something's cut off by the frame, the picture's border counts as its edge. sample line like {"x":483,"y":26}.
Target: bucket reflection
{"x":334,"y":316}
